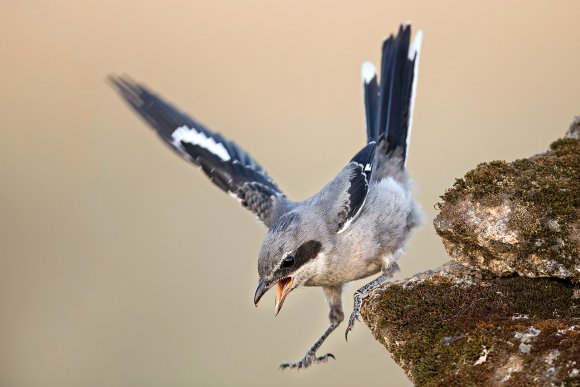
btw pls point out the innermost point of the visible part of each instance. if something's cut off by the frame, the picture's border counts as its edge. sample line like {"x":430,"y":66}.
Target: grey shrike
{"x":355,"y":226}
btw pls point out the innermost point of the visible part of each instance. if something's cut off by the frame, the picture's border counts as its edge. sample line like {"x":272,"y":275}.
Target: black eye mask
{"x":305,"y":253}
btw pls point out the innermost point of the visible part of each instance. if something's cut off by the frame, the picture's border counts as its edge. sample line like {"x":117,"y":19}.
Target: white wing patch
{"x":192,"y":136}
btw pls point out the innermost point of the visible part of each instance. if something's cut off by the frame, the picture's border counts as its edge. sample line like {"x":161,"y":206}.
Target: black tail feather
{"x":395,"y":94}
{"x":371,"y":96}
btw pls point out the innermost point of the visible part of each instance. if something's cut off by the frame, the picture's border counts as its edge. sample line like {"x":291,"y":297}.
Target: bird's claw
{"x":309,"y":359}
{"x":355,"y":315}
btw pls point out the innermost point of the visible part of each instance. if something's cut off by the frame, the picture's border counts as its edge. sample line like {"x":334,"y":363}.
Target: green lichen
{"x":437,"y":330}
{"x":544,"y":192}
{"x":550,"y":179}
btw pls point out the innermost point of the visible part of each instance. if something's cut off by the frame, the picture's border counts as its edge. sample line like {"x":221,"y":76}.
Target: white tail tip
{"x":368,"y":71}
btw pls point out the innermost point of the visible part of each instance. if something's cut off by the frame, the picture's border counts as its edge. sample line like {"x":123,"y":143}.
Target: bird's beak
{"x":283,"y":288}
{"x":263,"y":287}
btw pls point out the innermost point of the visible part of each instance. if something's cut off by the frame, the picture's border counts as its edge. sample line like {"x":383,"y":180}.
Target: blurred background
{"x":120,"y":265}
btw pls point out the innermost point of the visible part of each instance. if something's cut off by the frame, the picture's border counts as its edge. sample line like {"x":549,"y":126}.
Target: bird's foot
{"x":391,"y":269}
{"x":309,"y":359}
{"x":354,"y":316}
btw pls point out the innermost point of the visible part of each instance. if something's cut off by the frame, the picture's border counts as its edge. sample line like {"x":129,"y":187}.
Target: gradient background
{"x":121,"y":266}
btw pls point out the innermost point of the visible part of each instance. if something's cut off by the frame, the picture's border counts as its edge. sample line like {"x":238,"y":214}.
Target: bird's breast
{"x":339,"y":269}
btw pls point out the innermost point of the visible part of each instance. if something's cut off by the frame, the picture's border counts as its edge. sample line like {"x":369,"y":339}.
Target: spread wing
{"x":227,"y":165}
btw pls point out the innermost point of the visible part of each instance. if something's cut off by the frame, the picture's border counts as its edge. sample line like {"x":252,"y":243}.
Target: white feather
{"x":192,"y":136}
{"x":368,"y":72}
{"x":351,"y":220}
{"x":416,"y":46}
{"x":414,"y":53}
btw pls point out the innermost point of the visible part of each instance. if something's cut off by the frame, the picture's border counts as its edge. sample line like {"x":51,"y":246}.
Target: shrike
{"x":355,"y":226}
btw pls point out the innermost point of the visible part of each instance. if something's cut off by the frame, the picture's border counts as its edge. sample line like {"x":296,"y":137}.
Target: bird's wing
{"x":227,"y":165}
{"x":356,"y":177}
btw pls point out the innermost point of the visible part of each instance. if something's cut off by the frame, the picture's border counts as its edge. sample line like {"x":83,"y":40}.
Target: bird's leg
{"x":333,"y":296}
{"x":358,"y":296}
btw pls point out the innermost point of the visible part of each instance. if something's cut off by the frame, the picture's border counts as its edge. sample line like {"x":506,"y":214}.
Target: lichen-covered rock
{"x":452,"y":327}
{"x":520,"y":217}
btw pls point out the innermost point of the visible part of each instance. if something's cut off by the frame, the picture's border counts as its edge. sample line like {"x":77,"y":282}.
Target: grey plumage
{"x":356,"y":226}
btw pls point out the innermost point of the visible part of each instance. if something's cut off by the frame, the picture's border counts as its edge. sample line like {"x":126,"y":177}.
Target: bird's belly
{"x":346,"y":271}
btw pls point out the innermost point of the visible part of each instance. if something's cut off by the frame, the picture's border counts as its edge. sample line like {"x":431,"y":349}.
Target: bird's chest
{"x":347,"y":265}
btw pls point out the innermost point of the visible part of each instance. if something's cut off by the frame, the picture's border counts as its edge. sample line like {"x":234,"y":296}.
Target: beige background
{"x":121,"y":266}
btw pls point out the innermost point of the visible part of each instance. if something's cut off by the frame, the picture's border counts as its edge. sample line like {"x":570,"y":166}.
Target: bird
{"x":356,"y":226}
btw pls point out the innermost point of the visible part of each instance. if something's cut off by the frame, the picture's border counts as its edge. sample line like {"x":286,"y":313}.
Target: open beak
{"x":281,"y":293}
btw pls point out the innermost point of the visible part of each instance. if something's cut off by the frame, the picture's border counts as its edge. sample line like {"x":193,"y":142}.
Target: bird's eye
{"x":288,"y":261}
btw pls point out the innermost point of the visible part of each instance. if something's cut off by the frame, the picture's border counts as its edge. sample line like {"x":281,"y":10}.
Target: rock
{"x":453,"y":327}
{"x":521,"y":217}
{"x":507,"y":311}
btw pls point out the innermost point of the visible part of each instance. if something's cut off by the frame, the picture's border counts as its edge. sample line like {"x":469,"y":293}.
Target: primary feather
{"x":226,"y":164}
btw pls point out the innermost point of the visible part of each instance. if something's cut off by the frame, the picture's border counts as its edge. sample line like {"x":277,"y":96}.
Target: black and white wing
{"x":358,"y":176}
{"x":227,"y":165}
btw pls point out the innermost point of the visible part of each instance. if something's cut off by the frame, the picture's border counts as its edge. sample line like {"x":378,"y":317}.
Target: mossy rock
{"x":520,"y":217}
{"x":451,"y":327}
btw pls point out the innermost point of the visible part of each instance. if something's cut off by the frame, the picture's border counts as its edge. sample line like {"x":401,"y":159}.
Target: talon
{"x":348,"y":329}
{"x":351,"y":321}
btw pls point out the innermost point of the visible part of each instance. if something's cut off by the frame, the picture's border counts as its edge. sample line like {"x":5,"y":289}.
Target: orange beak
{"x":281,"y":293}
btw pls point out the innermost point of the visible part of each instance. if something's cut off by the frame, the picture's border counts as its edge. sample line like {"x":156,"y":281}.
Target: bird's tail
{"x":389,"y":106}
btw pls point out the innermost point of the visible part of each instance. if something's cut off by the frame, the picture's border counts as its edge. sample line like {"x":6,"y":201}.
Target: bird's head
{"x":290,"y":255}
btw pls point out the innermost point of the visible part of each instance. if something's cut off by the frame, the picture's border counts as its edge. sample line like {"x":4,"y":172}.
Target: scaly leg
{"x":333,"y":297}
{"x":358,"y":296}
